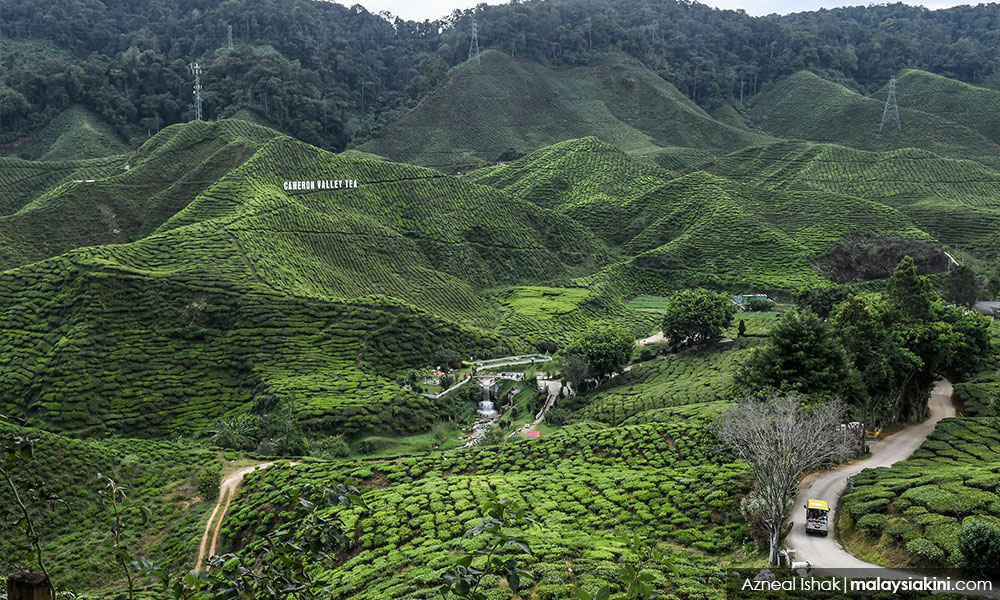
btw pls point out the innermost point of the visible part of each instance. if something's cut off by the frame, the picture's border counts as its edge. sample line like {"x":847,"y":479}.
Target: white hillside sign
{"x":320,"y":184}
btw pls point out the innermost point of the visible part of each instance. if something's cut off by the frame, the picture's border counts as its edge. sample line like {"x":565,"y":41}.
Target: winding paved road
{"x":826,"y":552}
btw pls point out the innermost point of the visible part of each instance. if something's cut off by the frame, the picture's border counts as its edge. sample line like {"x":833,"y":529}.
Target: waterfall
{"x":486,"y":407}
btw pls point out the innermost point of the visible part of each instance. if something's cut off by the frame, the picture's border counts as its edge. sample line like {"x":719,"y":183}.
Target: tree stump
{"x":28,"y":586}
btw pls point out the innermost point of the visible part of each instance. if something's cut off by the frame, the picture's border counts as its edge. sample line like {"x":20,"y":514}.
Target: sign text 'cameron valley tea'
{"x":319,"y":184}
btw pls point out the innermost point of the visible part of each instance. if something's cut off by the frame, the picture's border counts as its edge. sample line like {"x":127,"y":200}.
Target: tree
{"x":962,"y":286}
{"x":607,"y":349}
{"x":909,"y":291}
{"x":821,"y":298}
{"x":696,"y":316}
{"x":574,"y":370}
{"x":801,"y":355}
{"x":782,"y":440}
{"x":742,"y":329}
{"x":869,"y":329}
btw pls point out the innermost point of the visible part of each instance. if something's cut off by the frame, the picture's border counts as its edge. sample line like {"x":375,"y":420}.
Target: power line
{"x":474,"y":44}
{"x":891,"y":112}
{"x":196,"y":69}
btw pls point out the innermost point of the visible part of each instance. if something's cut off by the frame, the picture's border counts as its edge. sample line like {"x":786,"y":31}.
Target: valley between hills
{"x":183,"y":331}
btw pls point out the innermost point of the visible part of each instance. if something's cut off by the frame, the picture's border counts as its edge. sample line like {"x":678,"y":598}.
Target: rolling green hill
{"x":75,"y":134}
{"x":248,"y":290}
{"x":23,"y":180}
{"x":956,"y":201}
{"x":953,"y":100}
{"x":697,"y":229}
{"x":164,"y":176}
{"x":483,"y":110}
{"x":808,"y":107}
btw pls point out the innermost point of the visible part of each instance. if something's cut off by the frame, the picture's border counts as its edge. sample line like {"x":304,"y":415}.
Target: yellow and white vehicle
{"x":817,"y":512}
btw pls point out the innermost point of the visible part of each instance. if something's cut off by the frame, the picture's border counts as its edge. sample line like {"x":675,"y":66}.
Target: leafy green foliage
{"x":801,"y":355}
{"x":979,"y":547}
{"x":821,"y":299}
{"x":209,"y":480}
{"x":116,"y":501}
{"x":502,"y":520}
{"x":962,"y":286}
{"x":606,"y":348}
{"x":697,"y":316}
{"x":72,"y":529}
{"x":282,"y":565}
{"x":910,"y":292}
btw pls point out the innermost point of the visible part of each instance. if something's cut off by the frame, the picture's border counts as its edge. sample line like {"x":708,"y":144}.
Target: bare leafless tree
{"x":782,"y":440}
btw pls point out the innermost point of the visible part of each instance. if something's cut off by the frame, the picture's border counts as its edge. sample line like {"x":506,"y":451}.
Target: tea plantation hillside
{"x":319,"y":298}
{"x":912,"y":511}
{"x":661,"y":480}
{"x":807,"y":107}
{"x":697,"y":229}
{"x":956,"y":201}
{"x":23,"y":181}
{"x":504,"y":104}
{"x":953,"y":100}
{"x":164,"y":176}
{"x":75,"y":134}
{"x":75,"y":534}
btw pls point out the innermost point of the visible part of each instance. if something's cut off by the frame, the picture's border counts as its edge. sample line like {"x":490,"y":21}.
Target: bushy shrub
{"x":556,"y":417}
{"x":334,"y":446}
{"x":902,"y":532}
{"x":872,"y":524}
{"x":209,"y":480}
{"x":859,"y":510}
{"x":924,"y":549}
{"x":758,"y":305}
{"x":237,"y":433}
{"x":979,"y":547}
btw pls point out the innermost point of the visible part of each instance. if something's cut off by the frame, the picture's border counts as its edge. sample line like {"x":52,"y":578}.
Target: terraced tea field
{"x":422,"y":506}
{"x":956,"y":201}
{"x":75,"y":134}
{"x":805,"y":106}
{"x":485,"y":109}
{"x":76,"y":533}
{"x":910,"y":513}
{"x":691,"y":377}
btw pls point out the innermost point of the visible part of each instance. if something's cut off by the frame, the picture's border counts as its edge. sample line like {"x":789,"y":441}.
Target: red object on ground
{"x":533,"y":434}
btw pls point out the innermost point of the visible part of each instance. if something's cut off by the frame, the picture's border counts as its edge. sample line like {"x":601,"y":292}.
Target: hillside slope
{"x":75,"y":134}
{"x":318,"y":297}
{"x":165,"y":175}
{"x":22,"y":181}
{"x":807,"y":107}
{"x":956,"y":201}
{"x":75,"y":533}
{"x":483,"y":110}
{"x":698,"y":229}
{"x":974,"y":107}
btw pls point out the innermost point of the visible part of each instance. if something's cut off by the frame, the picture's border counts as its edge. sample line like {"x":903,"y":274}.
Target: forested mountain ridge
{"x":326,"y":73}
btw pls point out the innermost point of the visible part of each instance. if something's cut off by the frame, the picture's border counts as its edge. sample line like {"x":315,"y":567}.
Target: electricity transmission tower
{"x":891,"y":112}
{"x":196,"y":69}
{"x":229,"y":36}
{"x":474,"y":44}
